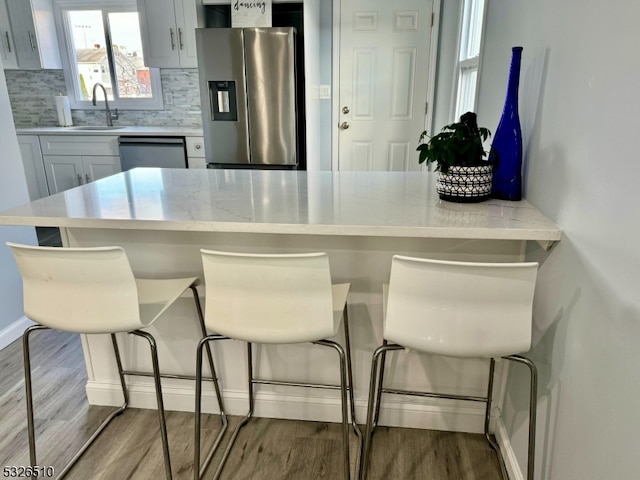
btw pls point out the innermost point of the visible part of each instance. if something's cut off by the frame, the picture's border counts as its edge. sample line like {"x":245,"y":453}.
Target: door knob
{"x":345,"y":110}
{"x":344,"y":125}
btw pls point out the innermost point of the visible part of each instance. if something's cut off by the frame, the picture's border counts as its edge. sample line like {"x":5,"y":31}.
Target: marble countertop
{"x":395,"y":204}
{"x":122,"y":130}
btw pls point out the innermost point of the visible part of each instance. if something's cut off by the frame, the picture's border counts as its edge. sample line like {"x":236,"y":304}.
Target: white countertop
{"x":135,"y":131}
{"x":395,"y":204}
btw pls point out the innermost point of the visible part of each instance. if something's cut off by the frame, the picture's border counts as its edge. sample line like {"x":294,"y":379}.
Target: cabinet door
{"x":33,"y":166}
{"x":189,"y":16}
{"x":7,"y":45}
{"x":97,"y":167}
{"x":160,"y":42}
{"x":24,"y":32}
{"x":63,"y":172}
{"x":34,"y":33}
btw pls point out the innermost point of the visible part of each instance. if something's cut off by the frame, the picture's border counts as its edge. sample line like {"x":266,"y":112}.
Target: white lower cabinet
{"x":70,"y":161}
{"x":33,"y":166}
{"x":68,"y":171}
{"x":195,"y":153}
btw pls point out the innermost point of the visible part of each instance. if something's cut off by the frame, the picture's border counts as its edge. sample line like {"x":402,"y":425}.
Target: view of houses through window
{"x":105,"y":47}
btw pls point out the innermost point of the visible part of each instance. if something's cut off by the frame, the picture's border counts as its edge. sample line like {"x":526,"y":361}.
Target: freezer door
{"x":222,"y":95}
{"x":271,"y":95}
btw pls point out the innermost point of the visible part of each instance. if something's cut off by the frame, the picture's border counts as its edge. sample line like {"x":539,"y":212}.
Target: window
{"x":104,"y":45}
{"x":468,"y":56}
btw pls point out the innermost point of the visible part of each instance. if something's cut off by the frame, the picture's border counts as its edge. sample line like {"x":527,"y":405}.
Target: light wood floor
{"x":266,"y":449}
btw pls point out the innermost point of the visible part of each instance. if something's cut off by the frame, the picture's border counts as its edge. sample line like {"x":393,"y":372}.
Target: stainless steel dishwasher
{"x":163,"y":152}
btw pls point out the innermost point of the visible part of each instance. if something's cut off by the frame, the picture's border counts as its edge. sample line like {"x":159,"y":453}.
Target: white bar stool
{"x":457,"y":309}
{"x":274,"y":299}
{"x":93,"y":290}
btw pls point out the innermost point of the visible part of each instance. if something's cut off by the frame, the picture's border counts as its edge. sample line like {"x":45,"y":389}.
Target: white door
{"x":384,"y":69}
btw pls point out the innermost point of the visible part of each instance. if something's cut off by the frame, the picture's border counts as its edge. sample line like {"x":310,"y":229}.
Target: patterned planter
{"x":465,"y":184}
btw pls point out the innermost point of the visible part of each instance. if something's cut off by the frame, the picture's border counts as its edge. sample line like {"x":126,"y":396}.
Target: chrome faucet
{"x":111,"y":116}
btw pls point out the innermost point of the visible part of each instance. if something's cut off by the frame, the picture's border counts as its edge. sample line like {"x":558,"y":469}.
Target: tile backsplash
{"x":31,"y":94}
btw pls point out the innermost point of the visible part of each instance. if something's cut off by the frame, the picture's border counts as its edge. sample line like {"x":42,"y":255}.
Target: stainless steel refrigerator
{"x":248,"y":96}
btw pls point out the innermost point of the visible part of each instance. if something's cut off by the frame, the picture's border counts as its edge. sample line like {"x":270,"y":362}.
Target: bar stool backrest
{"x":460,"y":309}
{"x":268,"y":298}
{"x":82,"y":290}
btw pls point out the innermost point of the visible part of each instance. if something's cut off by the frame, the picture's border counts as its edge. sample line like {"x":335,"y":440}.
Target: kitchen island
{"x":162,"y":217}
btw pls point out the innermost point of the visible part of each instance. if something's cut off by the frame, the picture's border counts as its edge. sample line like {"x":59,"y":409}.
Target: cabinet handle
{"x":173,"y":39}
{"x":31,"y":41}
{"x":198,"y":146}
{"x":79,"y":179}
{"x":88,"y":178}
{"x":6,"y":34}
{"x":180,"y":38}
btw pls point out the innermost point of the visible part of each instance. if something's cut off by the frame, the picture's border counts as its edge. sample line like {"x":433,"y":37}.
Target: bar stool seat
{"x":94,"y":291}
{"x":274,"y":299}
{"x":456,"y":309}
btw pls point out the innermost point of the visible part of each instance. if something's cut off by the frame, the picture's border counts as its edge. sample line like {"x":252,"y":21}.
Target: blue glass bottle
{"x":506,"y":148}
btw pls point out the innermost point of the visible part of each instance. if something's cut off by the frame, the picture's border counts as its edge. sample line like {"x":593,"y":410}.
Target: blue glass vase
{"x":506,"y":148}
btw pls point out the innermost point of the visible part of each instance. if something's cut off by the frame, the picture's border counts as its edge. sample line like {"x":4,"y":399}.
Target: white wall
{"x":579,"y":106}
{"x":13,"y":191}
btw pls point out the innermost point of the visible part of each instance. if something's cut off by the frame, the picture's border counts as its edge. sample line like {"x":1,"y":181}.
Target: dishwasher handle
{"x":151,"y":141}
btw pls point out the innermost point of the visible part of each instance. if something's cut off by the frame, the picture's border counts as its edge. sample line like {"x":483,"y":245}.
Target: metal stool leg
{"x":533,"y":403}
{"x":347,"y":348}
{"x":487,"y":420}
{"x":198,"y":470}
{"x":343,"y":391}
{"x":251,"y":381}
{"x":375,"y":381}
{"x":125,"y":391}
{"x":203,"y":330}
{"x":29,"y":392}
{"x":29,"y":401}
{"x":245,"y":420}
{"x":161,"y":416}
{"x":379,"y":387}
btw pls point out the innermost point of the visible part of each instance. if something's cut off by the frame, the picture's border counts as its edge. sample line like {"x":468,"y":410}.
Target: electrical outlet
{"x":168,"y":99}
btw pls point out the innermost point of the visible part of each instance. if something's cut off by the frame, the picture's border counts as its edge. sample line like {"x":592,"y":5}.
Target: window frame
{"x":467,"y":63}
{"x":67,"y":55}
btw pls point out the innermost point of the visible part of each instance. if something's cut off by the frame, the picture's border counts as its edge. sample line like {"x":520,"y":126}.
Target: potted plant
{"x":464,"y":174}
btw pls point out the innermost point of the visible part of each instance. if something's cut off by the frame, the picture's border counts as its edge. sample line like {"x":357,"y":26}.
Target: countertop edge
{"x":542,"y":234}
{"x":125,"y":130}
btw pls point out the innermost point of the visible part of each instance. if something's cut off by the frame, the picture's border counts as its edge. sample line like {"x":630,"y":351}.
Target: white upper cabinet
{"x":7,"y":45}
{"x":34,"y":32}
{"x":168,"y":32}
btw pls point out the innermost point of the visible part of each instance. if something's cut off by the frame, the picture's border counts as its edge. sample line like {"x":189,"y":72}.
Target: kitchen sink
{"x":95,"y":128}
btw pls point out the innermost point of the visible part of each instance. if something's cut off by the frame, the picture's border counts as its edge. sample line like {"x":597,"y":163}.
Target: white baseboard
{"x":435,"y":415}
{"x":14,"y":331}
{"x":509,"y":456}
